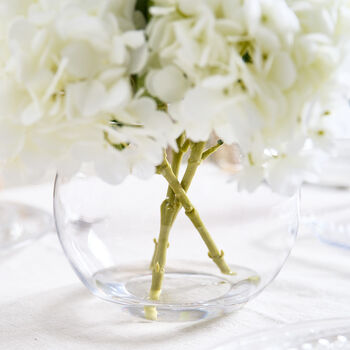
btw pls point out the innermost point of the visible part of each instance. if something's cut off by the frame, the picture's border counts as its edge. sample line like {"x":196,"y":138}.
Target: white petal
{"x":22,"y":32}
{"x":168,"y":84}
{"x":134,"y":38}
{"x":118,"y":96}
{"x":82,"y":59}
{"x":31,"y":114}
{"x":87,"y":98}
{"x":189,"y":7}
{"x":112,"y":168}
{"x":252,"y":13}
{"x":12,"y":98}
{"x":119,"y":53}
{"x":267,"y":40}
{"x":197,"y":112}
{"x":138,"y":59}
{"x":161,"y":11}
{"x":283,"y":71}
{"x":218,"y":81}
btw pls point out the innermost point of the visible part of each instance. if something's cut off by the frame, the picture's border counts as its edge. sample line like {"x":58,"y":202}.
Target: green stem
{"x":163,"y":242}
{"x":212,"y":150}
{"x":166,"y":214}
{"x":176,"y":161}
{"x":154,"y":257}
{"x":169,"y":211}
{"x":194,"y":161}
{"x":159,"y":257}
{"x":214,"y":253}
{"x":170,"y":197}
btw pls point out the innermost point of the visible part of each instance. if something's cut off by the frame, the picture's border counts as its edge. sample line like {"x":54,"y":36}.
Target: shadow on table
{"x":82,"y":320}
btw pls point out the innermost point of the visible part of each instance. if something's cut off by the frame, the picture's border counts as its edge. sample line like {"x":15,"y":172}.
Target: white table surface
{"x":44,"y":306}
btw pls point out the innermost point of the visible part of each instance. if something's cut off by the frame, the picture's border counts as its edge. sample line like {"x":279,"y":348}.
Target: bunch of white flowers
{"x":115,"y":83}
{"x":261,"y":73}
{"x":95,"y":81}
{"x":66,"y":94}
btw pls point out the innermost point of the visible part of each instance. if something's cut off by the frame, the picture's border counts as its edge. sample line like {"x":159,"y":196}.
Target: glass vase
{"x":326,"y":202}
{"x":109,"y":235}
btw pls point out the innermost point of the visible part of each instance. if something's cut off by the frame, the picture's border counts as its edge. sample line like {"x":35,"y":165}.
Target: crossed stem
{"x":177,"y":198}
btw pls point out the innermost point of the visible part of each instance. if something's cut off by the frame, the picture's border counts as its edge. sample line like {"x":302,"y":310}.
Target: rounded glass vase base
{"x":186,"y":295}
{"x":21,"y":224}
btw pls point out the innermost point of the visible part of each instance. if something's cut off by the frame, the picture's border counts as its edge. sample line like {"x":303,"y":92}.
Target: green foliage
{"x":143,"y":6}
{"x":247,"y":58}
{"x":119,"y":146}
{"x":118,"y":124}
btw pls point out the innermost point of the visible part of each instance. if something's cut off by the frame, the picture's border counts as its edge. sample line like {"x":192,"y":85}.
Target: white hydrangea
{"x":261,"y":73}
{"x":65,"y":91}
{"x":80,"y":82}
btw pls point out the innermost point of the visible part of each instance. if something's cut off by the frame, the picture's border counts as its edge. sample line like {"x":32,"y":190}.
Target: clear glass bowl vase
{"x":108,"y":232}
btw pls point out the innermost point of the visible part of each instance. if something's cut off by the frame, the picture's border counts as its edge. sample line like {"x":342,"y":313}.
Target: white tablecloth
{"x":44,"y":306}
